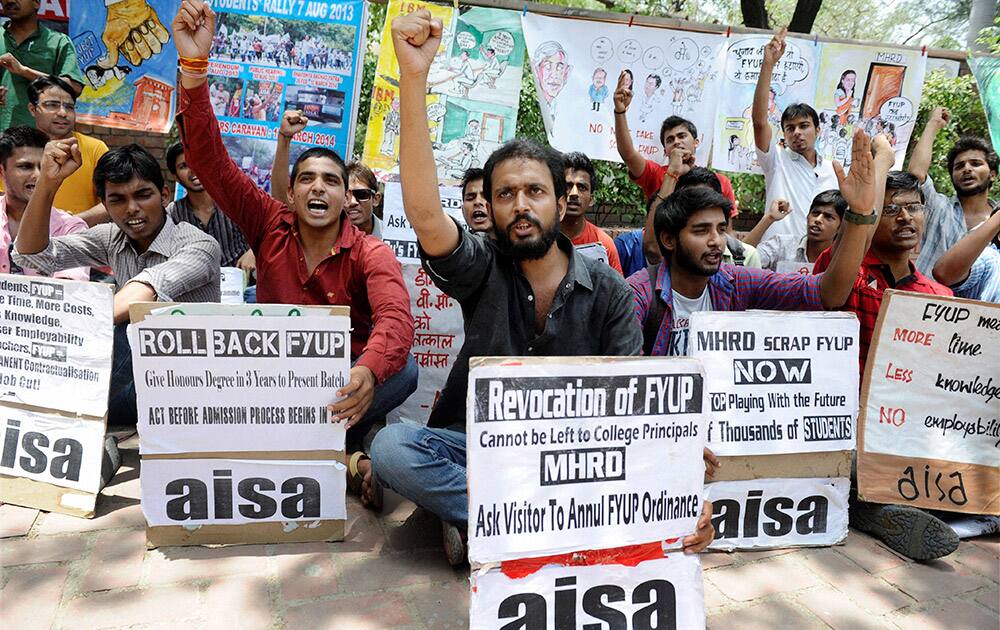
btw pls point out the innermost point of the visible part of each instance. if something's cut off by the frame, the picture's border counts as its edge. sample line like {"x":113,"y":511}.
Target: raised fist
{"x":416,"y":38}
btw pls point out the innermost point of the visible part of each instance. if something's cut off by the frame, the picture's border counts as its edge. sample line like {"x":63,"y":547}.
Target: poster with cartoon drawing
{"x":576,"y":65}
{"x":128,"y":62}
{"x":877,"y":87}
{"x":987,"y":72}
{"x":474,"y":87}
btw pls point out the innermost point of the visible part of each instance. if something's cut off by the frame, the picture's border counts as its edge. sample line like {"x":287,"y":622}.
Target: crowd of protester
{"x":532,"y":274}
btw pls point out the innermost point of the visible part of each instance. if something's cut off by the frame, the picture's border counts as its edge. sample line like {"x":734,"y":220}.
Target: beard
{"x":689,"y":263}
{"x":975,"y":190}
{"x":531,"y":249}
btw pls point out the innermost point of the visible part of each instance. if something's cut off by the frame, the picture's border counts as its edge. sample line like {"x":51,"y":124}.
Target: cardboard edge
{"x":879,"y":465}
{"x":330,"y":455}
{"x":45,"y":496}
{"x":138,"y":311}
{"x":788,"y":465}
{"x":245,"y":534}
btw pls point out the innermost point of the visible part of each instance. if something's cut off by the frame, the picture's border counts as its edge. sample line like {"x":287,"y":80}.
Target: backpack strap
{"x":654,"y":312}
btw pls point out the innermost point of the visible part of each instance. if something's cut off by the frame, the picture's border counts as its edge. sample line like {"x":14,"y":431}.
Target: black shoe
{"x":454,"y":544}
{"x":111,"y":460}
{"x":909,"y":531}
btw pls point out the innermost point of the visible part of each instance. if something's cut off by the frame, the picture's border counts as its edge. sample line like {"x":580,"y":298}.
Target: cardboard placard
{"x":930,"y":430}
{"x":232,"y":283}
{"x":776,"y":382}
{"x":661,"y":593}
{"x":55,"y":449}
{"x":583,"y":443}
{"x":396,"y":230}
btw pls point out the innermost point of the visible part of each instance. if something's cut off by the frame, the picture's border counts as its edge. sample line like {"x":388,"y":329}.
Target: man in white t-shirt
{"x":795,"y":171}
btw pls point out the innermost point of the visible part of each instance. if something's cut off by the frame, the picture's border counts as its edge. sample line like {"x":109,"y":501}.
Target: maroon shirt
{"x":360,"y":271}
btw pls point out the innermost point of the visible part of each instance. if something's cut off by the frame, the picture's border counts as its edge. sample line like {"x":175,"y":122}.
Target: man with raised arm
{"x":972,"y":165}
{"x":795,"y":171}
{"x":307,"y":251}
{"x":526,"y":293}
{"x":972,"y":266}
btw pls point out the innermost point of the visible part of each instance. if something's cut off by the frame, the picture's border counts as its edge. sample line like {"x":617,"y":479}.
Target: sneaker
{"x":454,"y":544}
{"x":906,"y":530}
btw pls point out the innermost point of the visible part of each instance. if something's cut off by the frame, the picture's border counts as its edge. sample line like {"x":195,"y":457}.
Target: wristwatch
{"x":860,"y":219}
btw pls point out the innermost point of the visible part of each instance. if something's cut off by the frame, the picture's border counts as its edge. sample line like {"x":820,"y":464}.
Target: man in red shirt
{"x":307,"y":251}
{"x":587,"y":238}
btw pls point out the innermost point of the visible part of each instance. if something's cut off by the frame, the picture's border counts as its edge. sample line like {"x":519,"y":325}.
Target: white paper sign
{"x":772,"y":513}
{"x":56,"y":336}
{"x":663,"y":593}
{"x":192,"y":492}
{"x":935,"y":381}
{"x":232,"y":282}
{"x":571,"y":455}
{"x":53,"y":449}
{"x":396,"y":230}
{"x":778,"y":382}
{"x":790,"y":266}
{"x":216,"y":384}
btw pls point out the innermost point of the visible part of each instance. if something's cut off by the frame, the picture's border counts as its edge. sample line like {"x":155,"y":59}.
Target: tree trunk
{"x":754,"y":14}
{"x":980,"y":17}
{"x":804,"y":16}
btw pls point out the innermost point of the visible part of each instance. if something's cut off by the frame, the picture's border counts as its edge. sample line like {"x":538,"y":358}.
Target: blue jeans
{"x":389,"y":395}
{"x":121,"y":396}
{"x":427,"y":466}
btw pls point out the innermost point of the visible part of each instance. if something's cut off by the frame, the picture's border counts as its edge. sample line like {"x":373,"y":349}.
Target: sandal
{"x":355,"y":482}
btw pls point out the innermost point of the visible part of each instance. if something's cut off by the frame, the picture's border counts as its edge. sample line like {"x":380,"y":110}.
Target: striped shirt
{"x":944,"y":225}
{"x":219,"y":226}
{"x":732,"y":289}
{"x":983,"y":282}
{"x":181,"y":264}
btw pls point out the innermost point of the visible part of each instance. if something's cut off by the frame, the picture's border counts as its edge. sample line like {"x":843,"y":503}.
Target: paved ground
{"x":64,"y":572}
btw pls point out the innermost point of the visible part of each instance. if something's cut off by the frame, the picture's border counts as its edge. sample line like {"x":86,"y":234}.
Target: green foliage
{"x":961,"y":98}
{"x":750,"y":193}
{"x":990,"y":36}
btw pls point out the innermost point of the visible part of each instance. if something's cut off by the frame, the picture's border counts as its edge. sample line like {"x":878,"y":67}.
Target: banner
{"x":987,"y":73}
{"x":276,"y":56}
{"x":52,"y":449}
{"x":128,"y":62}
{"x":778,"y":382}
{"x":56,"y":336}
{"x":238,"y":383}
{"x":568,"y":454}
{"x":55,"y":10}
{"x":474,"y":87}
{"x":877,"y":87}
{"x":195,"y":492}
{"x":396,"y":229}
{"x":663,"y":593}
{"x":576,"y":64}
{"x":772,"y":513}
{"x":931,"y":405}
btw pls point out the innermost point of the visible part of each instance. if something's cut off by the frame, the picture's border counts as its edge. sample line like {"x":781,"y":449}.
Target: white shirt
{"x":782,"y":247}
{"x":683,"y":307}
{"x":790,"y":176}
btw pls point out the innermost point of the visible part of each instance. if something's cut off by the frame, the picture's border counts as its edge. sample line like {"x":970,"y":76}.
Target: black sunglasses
{"x":362,"y":194}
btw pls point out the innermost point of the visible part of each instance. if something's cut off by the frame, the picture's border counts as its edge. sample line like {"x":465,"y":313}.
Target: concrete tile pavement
{"x":63,"y":572}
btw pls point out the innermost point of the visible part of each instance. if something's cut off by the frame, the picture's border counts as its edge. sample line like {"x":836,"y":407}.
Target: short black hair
{"x":471,"y":175}
{"x":830,"y":198}
{"x":974,"y":143}
{"x":39,"y":85}
{"x":676,"y":121}
{"x":699,"y":176}
{"x":798,"y":110}
{"x":319,"y":152}
{"x":577,"y":161}
{"x":524,"y":149}
{"x":357,"y":170}
{"x":20,"y":136}
{"x":656,"y":77}
{"x":121,"y":164}
{"x":174,"y":152}
{"x":675,"y":211}
{"x":901,"y":181}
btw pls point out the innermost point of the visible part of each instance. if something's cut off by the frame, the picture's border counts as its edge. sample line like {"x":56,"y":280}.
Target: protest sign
{"x":55,"y":336}
{"x":583,"y":444}
{"x":790,"y":266}
{"x":239,"y":383}
{"x":929,"y":424}
{"x":877,"y":87}
{"x":987,"y":72}
{"x":770,"y":513}
{"x":129,"y":64}
{"x":778,"y":382}
{"x":661,"y":593}
{"x":474,"y":87}
{"x":55,"y":10}
{"x":576,"y":65}
{"x":396,"y":229}
{"x":192,"y":492}
{"x":274,"y":56}
{"x":232,"y":283}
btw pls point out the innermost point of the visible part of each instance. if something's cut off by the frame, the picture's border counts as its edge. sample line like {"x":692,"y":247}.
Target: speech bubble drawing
{"x":629,"y":51}
{"x":435,"y":111}
{"x":502,"y":43}
{"x":602,"y":49}
{"x":653,"y":58}
{"x":682,"y":53}
{"x":465,"y":40}
{"x":744,"y":58}
{"x":898,"y":111}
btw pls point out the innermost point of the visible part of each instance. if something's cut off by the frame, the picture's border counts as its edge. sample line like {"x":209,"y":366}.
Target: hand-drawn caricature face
{"x":600,"y":78}
{"x":652,"y":84}
{"x":552,"y":69}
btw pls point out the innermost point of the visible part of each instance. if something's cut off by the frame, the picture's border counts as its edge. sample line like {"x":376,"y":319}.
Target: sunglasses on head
{"x":362,"y":194}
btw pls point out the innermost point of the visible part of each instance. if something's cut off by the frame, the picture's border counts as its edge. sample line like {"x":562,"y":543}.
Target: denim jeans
{"x":121,"y":396}
{"x":427,"y":466}
{"x":389,"y":395}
